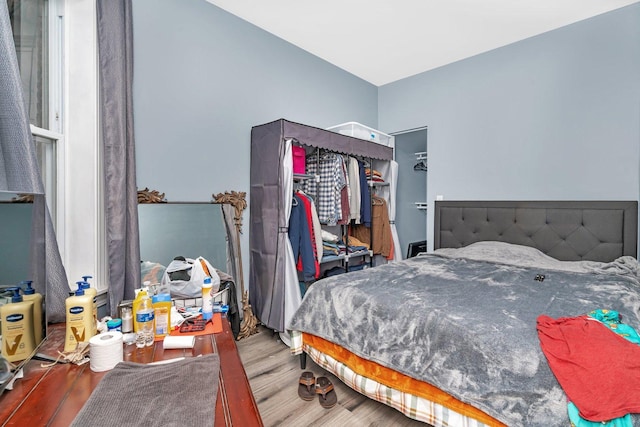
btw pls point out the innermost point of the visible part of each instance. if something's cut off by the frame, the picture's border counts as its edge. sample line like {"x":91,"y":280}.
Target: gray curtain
{"x":18,"y":165}
{"x":115,"y":47}
{"x":233,"y":241}
{"x":19,"y":173}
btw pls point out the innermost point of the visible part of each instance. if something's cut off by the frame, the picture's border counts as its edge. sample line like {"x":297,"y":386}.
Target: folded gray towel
{"x":181,"y":393}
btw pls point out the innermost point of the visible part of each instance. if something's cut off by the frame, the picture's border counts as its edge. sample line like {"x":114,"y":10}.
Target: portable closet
{"x":273,"y":282}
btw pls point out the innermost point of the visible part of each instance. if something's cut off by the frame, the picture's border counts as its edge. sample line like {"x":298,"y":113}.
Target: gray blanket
{"x":467,"y":325}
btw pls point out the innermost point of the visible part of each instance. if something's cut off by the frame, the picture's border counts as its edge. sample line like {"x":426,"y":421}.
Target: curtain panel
{"x":20,"y":173}
{"x":115,"y":51}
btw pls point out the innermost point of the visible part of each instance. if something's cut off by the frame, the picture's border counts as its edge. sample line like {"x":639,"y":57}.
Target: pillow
{"x":526,"y":256}
{"x":494,"y":251}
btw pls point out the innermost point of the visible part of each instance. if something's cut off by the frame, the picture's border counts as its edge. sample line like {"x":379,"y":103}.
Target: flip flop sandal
{"x":326,"y":394}
{"x":306,"y":386}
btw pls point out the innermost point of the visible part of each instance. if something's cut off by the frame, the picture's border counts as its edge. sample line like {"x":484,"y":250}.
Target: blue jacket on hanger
{"x":300,"y":237}
{"x":365,"y":204}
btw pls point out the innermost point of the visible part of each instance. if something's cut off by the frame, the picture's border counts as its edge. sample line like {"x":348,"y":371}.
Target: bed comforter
{"x":465,"y":321}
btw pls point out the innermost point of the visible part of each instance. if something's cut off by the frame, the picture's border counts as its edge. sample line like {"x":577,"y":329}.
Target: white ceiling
{"x":382,"y":41}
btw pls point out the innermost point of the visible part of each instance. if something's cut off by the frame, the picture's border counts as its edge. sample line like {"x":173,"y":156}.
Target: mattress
{"x":463,"y":322}
{"x":415,"y":399}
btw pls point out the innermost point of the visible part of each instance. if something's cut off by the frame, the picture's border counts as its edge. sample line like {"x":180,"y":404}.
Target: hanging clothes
{"x":328,"y":190}
{"x":344,"y":195}
{"x":315,"y":222}
{"x":365,"y":197}
{"x":354,"y":190}
{"x":300,"y":237}
{"x":380,"y":228}
{"x":309,"y":213}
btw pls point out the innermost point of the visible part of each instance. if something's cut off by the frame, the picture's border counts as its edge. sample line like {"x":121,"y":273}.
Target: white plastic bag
{"x":184,"y":278}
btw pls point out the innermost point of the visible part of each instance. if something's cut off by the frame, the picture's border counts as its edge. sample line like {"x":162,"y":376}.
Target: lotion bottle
{"x":88,"y":290}
{"x":30,"y":294}
{"x":16,"y":319}
{"x":80,"y":324}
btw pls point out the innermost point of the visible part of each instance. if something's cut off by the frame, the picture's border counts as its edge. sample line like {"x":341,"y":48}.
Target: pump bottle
{"x":88,"y":290}
{"x":30,"y":294}
{"x":16,"y":320}
{"x":80,"y":323}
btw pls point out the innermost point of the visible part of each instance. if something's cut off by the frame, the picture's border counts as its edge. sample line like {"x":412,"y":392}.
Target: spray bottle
{"x":16,"y":319}
{"x":30,"y":294}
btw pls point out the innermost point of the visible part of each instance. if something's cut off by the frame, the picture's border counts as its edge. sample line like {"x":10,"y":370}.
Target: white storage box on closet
{"x":361,"y":131}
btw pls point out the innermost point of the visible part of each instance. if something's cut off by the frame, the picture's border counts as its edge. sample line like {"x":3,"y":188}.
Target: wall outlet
{"x":439,"y":197}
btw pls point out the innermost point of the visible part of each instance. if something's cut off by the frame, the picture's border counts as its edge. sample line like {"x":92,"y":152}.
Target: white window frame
{"x":71,"y":148}
{"x":73,"y":141}
{"x":53,"y":162}
{"x":84,"y":241}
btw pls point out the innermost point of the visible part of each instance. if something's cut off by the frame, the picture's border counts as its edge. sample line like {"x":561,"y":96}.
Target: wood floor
{"x":273,"y":374}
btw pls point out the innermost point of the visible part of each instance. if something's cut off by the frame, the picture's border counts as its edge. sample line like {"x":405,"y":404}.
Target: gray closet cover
{"x":267,"y":216}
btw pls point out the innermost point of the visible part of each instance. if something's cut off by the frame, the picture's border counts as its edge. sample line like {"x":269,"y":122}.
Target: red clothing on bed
{"x":597,"y":369}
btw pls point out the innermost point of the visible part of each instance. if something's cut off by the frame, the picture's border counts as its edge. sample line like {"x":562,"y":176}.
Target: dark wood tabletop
{"x":54,"y":395}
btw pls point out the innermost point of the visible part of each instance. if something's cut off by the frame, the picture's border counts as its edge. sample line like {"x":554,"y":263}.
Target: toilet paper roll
{"x":186,"y":341}
{"x":105,"y":351}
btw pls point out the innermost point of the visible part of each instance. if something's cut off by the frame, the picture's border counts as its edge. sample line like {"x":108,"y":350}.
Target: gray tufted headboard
{"x":565,"y":230}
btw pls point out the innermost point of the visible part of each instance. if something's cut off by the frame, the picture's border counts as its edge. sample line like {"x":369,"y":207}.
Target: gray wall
{"x":555,"y":116}
{"x":203,"y":78}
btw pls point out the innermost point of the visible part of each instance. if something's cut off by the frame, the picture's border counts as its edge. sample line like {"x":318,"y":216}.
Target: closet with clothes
{"x":339,"y":186}
{"x":320,"y":216}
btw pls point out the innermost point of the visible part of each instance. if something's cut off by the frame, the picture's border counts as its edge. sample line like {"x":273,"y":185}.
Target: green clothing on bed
{"x":611,"y":319}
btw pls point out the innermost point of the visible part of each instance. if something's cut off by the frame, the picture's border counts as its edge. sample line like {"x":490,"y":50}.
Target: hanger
{"x":377,"y":201}
{"x":420,"y":166}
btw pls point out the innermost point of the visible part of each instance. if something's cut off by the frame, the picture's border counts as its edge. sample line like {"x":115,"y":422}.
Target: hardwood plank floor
{"x":273,"y":374}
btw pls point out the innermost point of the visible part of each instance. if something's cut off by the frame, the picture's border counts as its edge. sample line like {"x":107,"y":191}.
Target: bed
{"x":449,"y":337}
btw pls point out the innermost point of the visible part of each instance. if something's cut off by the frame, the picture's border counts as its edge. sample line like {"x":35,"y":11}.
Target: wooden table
{"x":53,"y":396}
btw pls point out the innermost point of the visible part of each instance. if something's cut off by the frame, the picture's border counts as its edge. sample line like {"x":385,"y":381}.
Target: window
{"x":29,"y":20}
{"x":50,"y":161}
{"x":36,"y":27}
{"x":37,"y":34}
{"x":57,"y":52}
